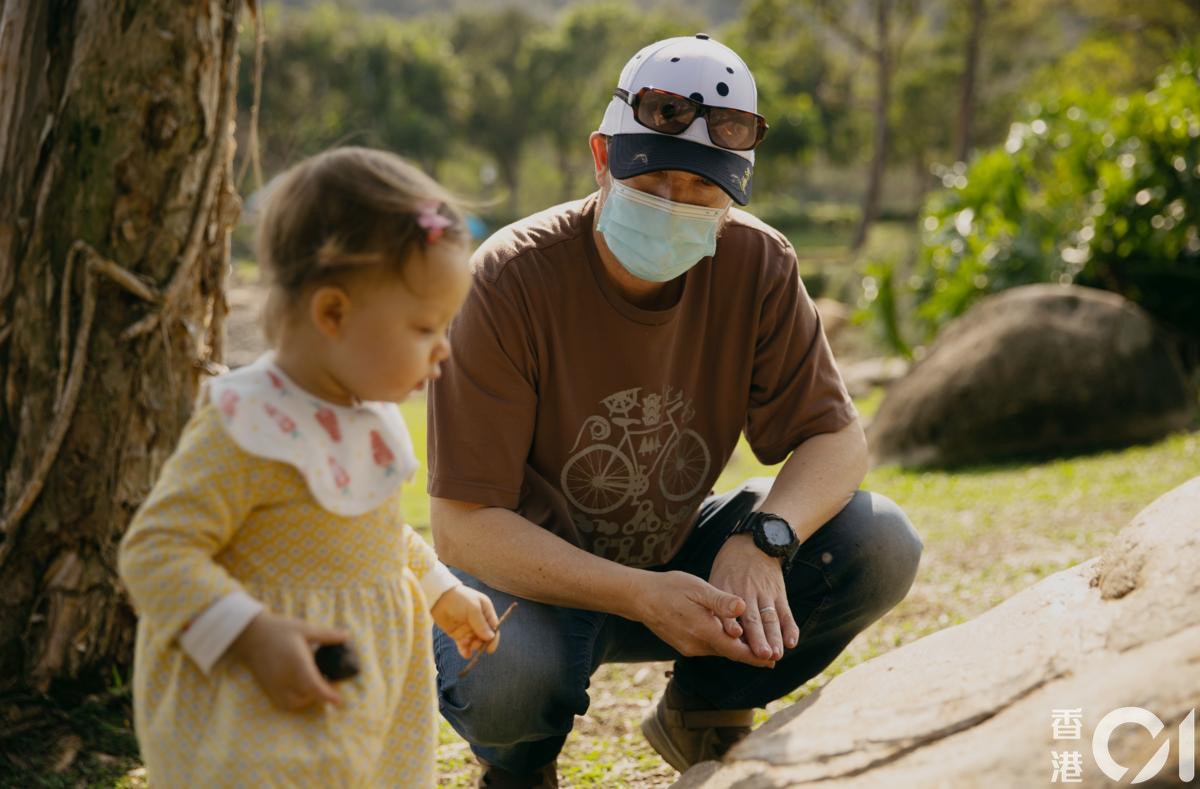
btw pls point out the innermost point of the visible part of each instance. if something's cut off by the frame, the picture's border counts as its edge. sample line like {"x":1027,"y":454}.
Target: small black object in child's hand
{"x":337,"y":661}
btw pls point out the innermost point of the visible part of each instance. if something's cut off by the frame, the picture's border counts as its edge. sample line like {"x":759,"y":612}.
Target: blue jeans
{"x":517,"y":706}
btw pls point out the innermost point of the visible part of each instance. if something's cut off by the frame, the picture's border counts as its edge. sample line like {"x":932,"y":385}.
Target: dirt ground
{"x":244,"y":338}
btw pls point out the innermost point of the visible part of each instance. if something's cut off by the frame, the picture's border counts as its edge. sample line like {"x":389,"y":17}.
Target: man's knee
{"x":882,"y":548}
{"x":518,"y":694}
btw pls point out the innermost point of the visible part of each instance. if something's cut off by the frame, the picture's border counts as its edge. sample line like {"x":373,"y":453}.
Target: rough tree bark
{"x":115,"y":210}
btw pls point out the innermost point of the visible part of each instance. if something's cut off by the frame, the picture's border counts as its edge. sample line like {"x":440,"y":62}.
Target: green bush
{"x":1089,"y":189}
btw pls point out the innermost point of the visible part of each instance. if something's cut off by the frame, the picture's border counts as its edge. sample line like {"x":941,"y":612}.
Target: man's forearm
{"x":507,"y":552}
{"x":819,"y":479}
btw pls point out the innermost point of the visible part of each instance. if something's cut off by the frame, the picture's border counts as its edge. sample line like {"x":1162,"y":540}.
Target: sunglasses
{"x":670,"y":113}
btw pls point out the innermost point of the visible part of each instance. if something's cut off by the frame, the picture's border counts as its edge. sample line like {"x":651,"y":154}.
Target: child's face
{"x":392,"y":337}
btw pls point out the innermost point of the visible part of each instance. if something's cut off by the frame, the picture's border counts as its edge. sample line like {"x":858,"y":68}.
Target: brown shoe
{"x":496,"y":778}
{"x":685,"y":733}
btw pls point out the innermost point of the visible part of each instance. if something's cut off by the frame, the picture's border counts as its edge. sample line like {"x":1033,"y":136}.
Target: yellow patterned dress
{"x":221,"y":521}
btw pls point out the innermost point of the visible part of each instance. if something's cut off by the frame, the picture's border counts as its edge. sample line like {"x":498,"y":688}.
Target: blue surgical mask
{"x":653,"y":238}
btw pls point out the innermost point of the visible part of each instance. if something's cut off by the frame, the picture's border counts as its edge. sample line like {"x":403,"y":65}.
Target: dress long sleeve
{"x":434,"y":577}
{"x":166,"y":558}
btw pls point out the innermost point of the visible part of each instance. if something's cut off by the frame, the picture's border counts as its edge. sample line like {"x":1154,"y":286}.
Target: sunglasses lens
{"x":665,"y":112}
{"x":732,"y":129}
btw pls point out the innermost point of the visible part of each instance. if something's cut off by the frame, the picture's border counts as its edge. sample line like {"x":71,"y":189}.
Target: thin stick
{"x":119,"y":274}
{"x":64,"y":326}
{"x":219,"y":305}
{"x":142,"y":326}
{"x":481,"y":651}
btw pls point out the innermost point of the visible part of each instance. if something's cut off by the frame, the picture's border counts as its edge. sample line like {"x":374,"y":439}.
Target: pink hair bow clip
{"x":431,"y":221}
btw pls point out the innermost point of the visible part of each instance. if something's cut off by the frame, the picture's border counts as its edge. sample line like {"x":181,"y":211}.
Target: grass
{"x":989,"y":532}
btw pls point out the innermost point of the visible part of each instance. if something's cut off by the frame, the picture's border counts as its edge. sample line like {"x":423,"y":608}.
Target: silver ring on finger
{"x":765,"y":609}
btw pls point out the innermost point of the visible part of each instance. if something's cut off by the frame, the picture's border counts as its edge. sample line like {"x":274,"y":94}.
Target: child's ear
{"x":327,"y":308}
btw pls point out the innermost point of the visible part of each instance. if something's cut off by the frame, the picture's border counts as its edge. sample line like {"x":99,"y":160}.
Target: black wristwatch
{"x":772,"y":535}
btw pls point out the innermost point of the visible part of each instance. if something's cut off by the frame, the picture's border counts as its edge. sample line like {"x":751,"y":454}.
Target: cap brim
{"x":635,"y":154}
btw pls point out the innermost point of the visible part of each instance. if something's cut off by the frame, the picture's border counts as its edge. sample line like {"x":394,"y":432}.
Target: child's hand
{"x":279,"y":653}
{"x":468,"y":617}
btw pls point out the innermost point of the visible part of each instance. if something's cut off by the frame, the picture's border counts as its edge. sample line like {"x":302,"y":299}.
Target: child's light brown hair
{"x":345,"y":211}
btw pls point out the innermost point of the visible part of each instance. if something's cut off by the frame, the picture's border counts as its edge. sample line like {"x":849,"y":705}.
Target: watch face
{"x":777,"y":532}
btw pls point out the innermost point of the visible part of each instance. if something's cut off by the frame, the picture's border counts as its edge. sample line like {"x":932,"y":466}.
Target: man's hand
{"x":686,"y":612}
{"x":278,"y":651}
{"x":766,"y":625}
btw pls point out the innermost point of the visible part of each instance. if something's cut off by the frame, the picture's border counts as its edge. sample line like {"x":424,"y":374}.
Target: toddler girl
{"x":276,"y":526}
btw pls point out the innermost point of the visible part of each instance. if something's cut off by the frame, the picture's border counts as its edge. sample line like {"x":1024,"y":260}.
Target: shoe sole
{"x":656,"y":734}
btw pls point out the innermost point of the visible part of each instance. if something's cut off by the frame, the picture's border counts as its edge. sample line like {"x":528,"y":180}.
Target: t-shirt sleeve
{"x":796,"y":391}
{"x":482,"y":409}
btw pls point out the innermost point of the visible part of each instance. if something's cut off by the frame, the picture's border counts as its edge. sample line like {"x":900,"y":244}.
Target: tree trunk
{"x":920,"y":180}
{"x":966,"y":96}
{"x":510,"y":174}
{"x":115,"y":150}
{"x":883,"y":98}
{"x":566,"y":172}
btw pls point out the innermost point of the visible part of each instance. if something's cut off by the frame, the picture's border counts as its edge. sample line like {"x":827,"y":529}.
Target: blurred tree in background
{"x":871,"y":106}
{"x":493,"y":49}
{"x":481,"y":83}
{"x":573,"y":68}
{"x":794,"y":75}
{"x":336,"y":77}
{"x":877,"y":32}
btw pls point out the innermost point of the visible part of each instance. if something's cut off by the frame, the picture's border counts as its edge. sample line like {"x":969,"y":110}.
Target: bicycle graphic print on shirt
{"x":616,"y":459}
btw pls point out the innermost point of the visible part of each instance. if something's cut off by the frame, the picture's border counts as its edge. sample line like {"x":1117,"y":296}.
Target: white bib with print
{"x":353,"y":458}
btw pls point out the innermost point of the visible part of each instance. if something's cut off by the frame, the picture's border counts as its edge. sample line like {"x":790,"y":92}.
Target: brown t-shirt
{"x":606,"y":423}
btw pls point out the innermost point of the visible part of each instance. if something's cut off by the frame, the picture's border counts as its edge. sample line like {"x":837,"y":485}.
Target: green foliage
{"x":1097,"y":66}
{"x":1088,"y":189}
{"x":879,"y":302}
{"x":498,"y":98}
{"x":926,"y":90}
{"x":802,"y":89}
{"x":336,"y":77}
{"x":574,"y":67}
{"x":1143,"y":236}
{"x":492,"y":48}
{"x":790,"y":67}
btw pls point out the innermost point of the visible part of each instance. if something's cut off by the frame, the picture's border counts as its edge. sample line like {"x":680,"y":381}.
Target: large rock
{"x":973,"y":705}
{"x":835,"y":316}
{"x":1041,"y":369}
{"x":863,"y":376}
